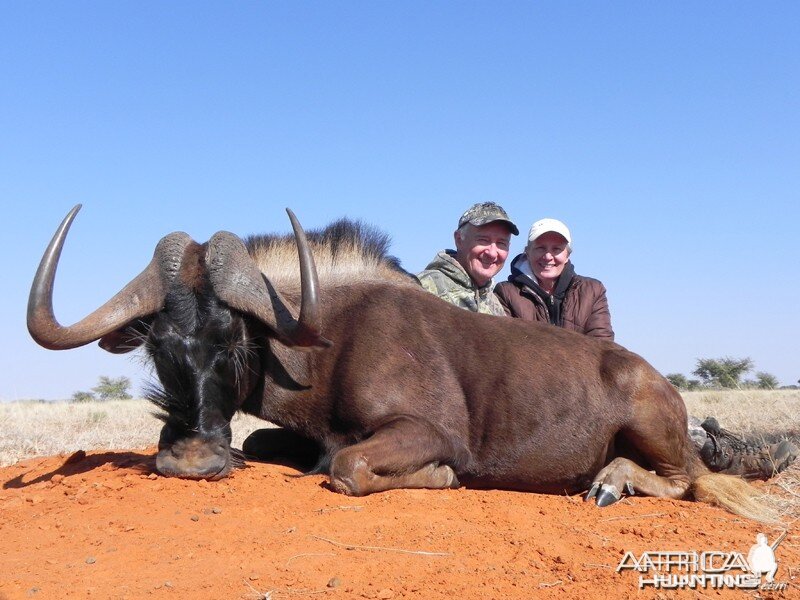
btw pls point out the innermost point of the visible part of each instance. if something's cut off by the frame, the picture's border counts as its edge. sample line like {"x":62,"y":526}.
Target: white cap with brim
{"x":545,"y":225}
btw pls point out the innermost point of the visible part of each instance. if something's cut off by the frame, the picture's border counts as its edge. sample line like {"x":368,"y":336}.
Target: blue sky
{"x":666,"y":135}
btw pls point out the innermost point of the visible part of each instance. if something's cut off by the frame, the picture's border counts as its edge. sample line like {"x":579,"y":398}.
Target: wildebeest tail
{"x":729,"y":492}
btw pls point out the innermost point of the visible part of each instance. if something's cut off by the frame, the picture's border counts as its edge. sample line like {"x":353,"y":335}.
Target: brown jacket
{"x":584,"y":308}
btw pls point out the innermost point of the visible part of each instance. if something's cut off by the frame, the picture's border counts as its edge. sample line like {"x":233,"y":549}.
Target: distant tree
{"x":109,"y":388}
{"x":678,"y":380}
{"x":683,"y":383}
{"x":83,"y":397}
{"x":722,"y":372}
{"x":766,"y":381}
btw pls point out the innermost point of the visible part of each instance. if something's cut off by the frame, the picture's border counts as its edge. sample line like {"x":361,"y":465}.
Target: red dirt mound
{"x":104,"y":525}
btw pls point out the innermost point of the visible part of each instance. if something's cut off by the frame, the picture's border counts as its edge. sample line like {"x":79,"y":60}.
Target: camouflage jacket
{"x":447,"y":279}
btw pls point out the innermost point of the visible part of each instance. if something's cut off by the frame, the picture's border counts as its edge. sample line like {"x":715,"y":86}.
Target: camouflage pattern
{"x":446,"y":278}
{"x":487,"y":212}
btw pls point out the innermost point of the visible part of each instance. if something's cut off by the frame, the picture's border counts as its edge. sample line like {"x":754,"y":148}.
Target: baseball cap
{"x":545,"y":225}
{"x":487,"y":212}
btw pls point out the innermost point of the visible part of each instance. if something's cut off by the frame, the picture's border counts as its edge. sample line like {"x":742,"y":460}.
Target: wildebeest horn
{"x":238,"y":281}
{"x":142,"y":296}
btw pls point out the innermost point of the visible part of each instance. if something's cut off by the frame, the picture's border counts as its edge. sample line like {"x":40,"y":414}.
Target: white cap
{"x":545,"y":225}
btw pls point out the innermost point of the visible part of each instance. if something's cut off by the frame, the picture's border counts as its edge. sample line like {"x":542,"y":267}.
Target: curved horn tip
{"x":293,"y":218}
{"x":71,"y":215}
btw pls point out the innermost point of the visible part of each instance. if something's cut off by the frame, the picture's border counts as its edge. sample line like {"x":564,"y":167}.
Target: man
{"x":464,"y":276}
{"x":543,"y":287}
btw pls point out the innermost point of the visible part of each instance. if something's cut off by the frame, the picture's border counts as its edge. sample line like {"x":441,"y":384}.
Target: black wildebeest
{"x":395,"y":387}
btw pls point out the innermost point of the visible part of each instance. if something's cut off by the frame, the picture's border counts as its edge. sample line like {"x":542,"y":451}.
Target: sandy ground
{"x":106,"y":526}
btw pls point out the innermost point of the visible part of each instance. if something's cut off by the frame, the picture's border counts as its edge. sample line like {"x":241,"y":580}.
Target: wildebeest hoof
{"x":607,"y":494}
{"x":592,"y":492}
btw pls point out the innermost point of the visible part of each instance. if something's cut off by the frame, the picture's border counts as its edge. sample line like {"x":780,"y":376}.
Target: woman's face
{"x":547,"y":256}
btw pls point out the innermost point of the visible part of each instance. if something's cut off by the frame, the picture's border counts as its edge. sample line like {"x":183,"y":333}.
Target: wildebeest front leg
{"x":406,"y":452}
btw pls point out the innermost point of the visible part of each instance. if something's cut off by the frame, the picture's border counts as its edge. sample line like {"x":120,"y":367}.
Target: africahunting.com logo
{"x":710,"y":569}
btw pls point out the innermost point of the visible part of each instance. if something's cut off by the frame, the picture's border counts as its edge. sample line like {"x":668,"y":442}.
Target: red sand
{"x":105,"y":526}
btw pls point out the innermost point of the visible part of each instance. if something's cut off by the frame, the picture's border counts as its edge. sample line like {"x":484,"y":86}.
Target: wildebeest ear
{"x":126,"y":339}
{"x":289,"y":368}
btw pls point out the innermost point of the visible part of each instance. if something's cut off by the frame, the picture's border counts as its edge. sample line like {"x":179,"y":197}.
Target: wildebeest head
{"x":200,"y":311}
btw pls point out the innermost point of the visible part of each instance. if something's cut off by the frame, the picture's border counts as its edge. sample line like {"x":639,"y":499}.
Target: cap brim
{"x":511,"y":226}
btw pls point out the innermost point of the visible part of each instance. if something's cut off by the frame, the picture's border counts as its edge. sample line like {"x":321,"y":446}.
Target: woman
{"x":543,"y":285}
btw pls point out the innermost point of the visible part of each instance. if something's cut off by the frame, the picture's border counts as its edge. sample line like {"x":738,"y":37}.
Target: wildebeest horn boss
{"x":382,"y":384}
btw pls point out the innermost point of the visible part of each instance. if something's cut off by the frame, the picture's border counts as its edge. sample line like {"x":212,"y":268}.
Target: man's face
{"x":547,"y":256}
{"x":482,"y":250}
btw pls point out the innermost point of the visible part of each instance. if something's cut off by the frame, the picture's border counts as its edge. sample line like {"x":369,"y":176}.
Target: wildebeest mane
{"x":344,"y":252}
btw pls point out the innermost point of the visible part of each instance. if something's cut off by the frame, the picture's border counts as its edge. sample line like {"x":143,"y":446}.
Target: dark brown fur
{"x":525,"y":403}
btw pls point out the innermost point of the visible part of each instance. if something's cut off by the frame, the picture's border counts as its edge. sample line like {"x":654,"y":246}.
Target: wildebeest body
{"x":395,"y":387}
{"x":506,"y":392}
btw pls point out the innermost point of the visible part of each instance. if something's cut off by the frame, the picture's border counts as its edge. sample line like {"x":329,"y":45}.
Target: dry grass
{"x":759,"y":412}
{"x":33,"y":428}
{"x":44,"y":428}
